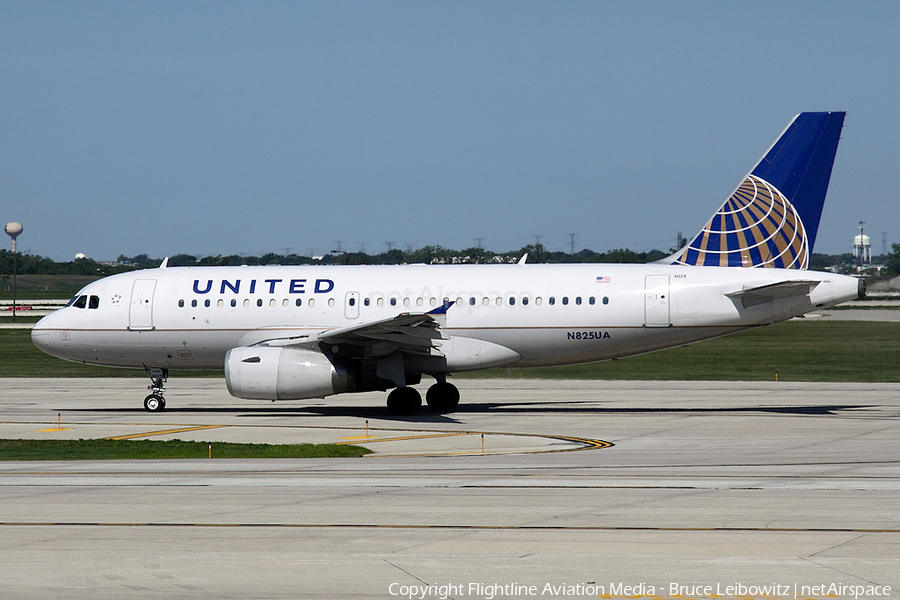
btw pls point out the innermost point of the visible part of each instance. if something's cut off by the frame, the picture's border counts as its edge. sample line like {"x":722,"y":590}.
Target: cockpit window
{"x":94,"y":302}
{"x":80,"y":302}
{"x":71,"y":302}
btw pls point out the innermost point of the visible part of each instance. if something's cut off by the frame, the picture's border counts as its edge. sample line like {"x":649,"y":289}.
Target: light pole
{"x":13,"y":230}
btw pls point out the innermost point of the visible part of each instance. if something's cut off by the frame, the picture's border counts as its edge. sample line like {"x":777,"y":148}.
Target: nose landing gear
{"x":155,"y":401}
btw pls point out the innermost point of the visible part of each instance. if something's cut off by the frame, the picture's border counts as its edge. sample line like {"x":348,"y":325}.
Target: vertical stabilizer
{"x":772,"y":217}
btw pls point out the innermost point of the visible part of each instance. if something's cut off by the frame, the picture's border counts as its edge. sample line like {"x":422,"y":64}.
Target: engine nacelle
{"x":271,"y":373}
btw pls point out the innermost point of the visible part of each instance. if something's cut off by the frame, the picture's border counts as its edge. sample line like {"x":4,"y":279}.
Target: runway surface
{"x":591,"y":488}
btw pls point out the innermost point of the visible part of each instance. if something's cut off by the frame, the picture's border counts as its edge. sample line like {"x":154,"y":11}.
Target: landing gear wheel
{"x":405,"y":401}
{"x":154,"y":403}
{"x":442,"y":397}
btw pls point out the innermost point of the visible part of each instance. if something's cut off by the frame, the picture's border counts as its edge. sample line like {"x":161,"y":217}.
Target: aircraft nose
{"x":40,"y":335}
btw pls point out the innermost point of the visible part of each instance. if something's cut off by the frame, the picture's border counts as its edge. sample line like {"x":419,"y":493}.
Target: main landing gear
{"x":442,"y":397}
{"x":155,"y":401}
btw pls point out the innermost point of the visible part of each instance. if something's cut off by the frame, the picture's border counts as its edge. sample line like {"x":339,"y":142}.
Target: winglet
{"x":442,"y":309}
{"x":165,"y":263}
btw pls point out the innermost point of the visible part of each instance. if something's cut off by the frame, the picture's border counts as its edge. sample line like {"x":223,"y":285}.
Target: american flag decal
{"x":603,"y":279}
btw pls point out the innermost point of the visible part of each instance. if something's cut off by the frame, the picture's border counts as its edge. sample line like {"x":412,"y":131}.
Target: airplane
{"x":302,"y":332}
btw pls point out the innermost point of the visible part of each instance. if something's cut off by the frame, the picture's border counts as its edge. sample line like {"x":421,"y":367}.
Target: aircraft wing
{"x":412,"y":333}
{"x":768,"y":293}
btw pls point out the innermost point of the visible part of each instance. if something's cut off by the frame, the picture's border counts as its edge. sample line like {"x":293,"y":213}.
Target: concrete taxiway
{"x":587,"y":485}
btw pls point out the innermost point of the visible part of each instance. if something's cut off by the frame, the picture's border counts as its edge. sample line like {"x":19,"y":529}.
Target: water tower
{"x":862,"y":246}
{"x":13,"y":230}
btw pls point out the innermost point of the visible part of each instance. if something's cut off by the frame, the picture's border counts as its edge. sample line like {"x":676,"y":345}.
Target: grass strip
{"x":815,"y":350}
{"x":165,"y":449}
{"x":19,"y":357}
{"x":838,"y":351}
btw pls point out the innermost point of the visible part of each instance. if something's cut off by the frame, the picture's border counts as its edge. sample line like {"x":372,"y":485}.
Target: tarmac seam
{"x":451,"y":527}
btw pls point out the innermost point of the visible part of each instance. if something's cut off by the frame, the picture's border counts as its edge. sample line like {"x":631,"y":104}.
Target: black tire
{"x":404,"y":402}
{"x":442,"y":397}
{"x":154,"y":403}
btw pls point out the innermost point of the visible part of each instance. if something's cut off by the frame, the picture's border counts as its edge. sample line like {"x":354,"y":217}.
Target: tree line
{"x":31,"y":264}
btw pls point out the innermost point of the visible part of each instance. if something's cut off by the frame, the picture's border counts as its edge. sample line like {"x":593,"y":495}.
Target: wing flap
{"x":413,"y":333}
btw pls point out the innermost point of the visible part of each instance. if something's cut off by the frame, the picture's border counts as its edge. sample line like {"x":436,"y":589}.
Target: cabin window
{"x":259,"y":302}
{"x":512,"y":300}
{"x":393,"y":302}
{"x":578,"y":300}
{"x":380,"y":302}
{"x":233,"y":303}
{"x":331,"y":302}
{"x":194,"y":303}
{"x":592,"y":300}
{"x":352,"y":301}
{"x":406,"y":302}
{"x":311,"y":302}
{"x":551,"y":300}
{"x":420,"y":301}
{"x":499,"y":301}
{"x":246,"y":302}
{"x":565,"y":300}
{"x":181,"y":304}
{"x":220,"y":303}
{"x":206,"y":303}
{"x":366,"y":302}
{"x":605,"y":299}
{"x":285,"y":303}
{"x":538,"y":301}
{"x":525,"y":300}
{"x":486,"y":301}
{"x":432,"y":301}
{"x":272,"y":303}
{"x":298,"y":302}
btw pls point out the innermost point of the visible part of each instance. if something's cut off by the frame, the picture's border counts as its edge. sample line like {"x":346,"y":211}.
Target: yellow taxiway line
{"x":164,"y":432}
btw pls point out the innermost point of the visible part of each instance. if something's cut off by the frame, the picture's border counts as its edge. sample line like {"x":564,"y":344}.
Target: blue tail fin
{"x":772,"y":217}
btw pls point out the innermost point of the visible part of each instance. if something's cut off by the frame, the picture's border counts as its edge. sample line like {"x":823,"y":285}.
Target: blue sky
{"x":253,"y":127}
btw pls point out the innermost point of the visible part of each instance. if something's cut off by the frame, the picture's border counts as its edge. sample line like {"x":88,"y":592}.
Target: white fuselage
{"x":190,"y":317}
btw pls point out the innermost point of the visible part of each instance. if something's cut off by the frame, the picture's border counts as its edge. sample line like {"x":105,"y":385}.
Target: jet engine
{"x":271,"y":373}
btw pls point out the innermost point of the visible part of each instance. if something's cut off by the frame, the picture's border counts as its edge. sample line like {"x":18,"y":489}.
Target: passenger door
{"x":656,"y":301}
{"x":140,"y":312}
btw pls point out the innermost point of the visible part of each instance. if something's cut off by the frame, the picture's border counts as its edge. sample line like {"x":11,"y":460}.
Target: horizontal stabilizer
{"x":768,"y":293}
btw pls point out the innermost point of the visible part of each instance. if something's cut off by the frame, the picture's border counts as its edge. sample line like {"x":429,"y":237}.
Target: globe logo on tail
{"x":756,"y":227}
